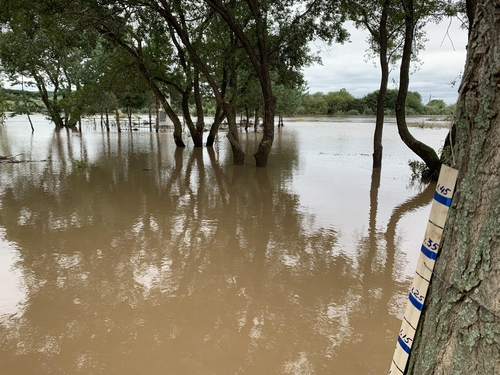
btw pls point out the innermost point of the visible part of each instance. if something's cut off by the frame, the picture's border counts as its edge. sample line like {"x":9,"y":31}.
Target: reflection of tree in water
{"x":182,"y":265}
{"x":379,"y":270}
{"x":142,"y":263}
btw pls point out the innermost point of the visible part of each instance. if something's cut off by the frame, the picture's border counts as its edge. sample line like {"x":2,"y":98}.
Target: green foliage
{"x":314,"y":104}
{"x":339,"y":102}
{"x":17,"y":95}
{"x":44,"y":54}
{"x":25,"y":107}
{"x":418,"y":169}
{"x":84,"y":58}
{"x":370,"y":101}
{"x":342,"y":103}
{"x":3,"y":103}
{"x":438,"y":107}
{"x":446,"y":157}
{"x":288,"y":100}
{"x":79,"y":163}
{"x":414,"y":103}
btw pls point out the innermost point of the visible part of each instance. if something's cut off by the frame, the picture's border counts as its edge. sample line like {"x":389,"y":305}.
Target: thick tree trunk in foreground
{"x":459,"y":332}
{"x":426,"y":153}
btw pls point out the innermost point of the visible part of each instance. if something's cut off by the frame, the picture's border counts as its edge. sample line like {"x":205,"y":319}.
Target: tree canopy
{"x":85,"y":57}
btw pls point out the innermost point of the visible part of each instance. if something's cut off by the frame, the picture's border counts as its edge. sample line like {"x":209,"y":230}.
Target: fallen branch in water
{"x":13,"y":160}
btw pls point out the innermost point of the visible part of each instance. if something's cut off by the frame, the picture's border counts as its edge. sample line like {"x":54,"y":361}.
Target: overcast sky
{"x":345,"y":66}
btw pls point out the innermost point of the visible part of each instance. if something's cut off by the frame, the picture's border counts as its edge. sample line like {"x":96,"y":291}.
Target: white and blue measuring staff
{"x":425,"y":265}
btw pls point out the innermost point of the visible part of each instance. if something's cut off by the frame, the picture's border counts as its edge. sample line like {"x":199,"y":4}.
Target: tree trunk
{"x":195,"y":134}
{"x":219,"y":112}
{"x":214,"y":129}
{"x":200,"y":120}
{"x":107,"y":118}
{"x":256,"y":119}
{"x":175,"y":119}
{"x":247,"y":121}
{"x":266,"y":143}
{"x":459,"y":331}
{"x":52,"y":107}
{"x":166,"y":106}
{"x":426,"y":153}
{"x":117,"y":115}
{"x":129,"y":115}
{"x":150,"y":114}
{"x":384,"y":79}
{"x":232,"y":134}
{"x":31,"y":122}
{"x":157,"y":122}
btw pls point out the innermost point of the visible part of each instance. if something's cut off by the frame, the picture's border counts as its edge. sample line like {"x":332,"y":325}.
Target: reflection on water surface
{"x":120,"y":254}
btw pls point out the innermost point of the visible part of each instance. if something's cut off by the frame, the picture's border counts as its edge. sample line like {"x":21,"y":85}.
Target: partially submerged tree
{"x":425,"y":152}
{"x":278,"y":32}
{"x":386,"y":22}
{"x":34,"y":44}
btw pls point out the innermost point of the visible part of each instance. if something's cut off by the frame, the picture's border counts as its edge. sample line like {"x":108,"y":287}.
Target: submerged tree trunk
{"x":129,"y":115}
{"x":232,"y":134}
{"x":426,"y":153}
{"x":200,"y":120}
{"x":459,"y":332}
{"x":175,"y":119}
{"x":150,"y":116}
{"x":384,"y":79}
{"x":31,"y":122}
{"x":262,"y":154}
{"x":107,"y":118}
{"x":256,"y":119}
{"x":157,"y":122}
{"x":247,"y":118}
{"x":117,"y":116}
{"x":53,"y":110}
{"x":195,"y":134}
{"x":214,"y":129}
{"x":229,"y":108}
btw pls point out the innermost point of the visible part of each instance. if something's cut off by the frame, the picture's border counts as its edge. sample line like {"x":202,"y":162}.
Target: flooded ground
{"x":120,"y":254}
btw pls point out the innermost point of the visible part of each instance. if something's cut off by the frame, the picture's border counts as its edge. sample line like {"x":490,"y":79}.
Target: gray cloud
{"x":346,"y":66}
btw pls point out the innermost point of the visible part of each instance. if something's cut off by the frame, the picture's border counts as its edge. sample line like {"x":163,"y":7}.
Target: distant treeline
{"x":343,"y":103}
{"x":304,"y":104}
{"x":11,"y":95}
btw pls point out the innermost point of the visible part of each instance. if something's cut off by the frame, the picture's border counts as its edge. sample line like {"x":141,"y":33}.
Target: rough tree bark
{"x":460,"y":328}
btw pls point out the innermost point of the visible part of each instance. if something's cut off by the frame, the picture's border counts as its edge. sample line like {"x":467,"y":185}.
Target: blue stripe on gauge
{"x":415,"y":302}
{"x":442,"y":199}
{"x":428,"y":253}
{"x":403,"y":345}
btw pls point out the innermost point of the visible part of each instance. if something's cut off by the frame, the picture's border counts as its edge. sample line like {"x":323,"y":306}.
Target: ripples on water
{"x":143,"y":258}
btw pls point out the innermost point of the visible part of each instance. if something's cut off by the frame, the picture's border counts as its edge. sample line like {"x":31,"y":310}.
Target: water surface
{"x":120,"y":254}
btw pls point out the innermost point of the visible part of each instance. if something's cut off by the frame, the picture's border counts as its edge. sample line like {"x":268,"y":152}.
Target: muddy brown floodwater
{"x":120,"y":254}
